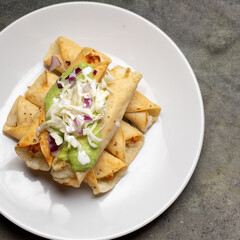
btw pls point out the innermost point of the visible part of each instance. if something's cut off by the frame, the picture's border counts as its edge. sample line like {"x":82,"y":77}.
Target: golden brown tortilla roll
{"x":141,"y":111}
{"x":110,"y":167}
{"x":34,"y":148}
{"x":118,"y":100}
{"x":20,"y":118}
{"x":106,"y":173}
{"x":119,"y":72}
{"x":65,"y":50}
{"x":37,"y":92}
{"x":92,"y":56}
{"x":126,"y":143}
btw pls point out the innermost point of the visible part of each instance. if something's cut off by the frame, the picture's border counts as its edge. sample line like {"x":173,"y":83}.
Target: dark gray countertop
{"x":208,"y":34}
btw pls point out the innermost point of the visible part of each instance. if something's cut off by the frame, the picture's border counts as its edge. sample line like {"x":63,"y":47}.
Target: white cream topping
{"x":83,"y":158}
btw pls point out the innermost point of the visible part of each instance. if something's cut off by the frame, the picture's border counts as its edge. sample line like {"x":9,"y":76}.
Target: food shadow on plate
{"x":36,"y":192}
{"x":25,"y":187}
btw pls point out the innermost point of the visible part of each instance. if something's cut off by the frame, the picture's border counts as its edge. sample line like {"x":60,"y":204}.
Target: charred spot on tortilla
{"x":33,"y":148}
{"x":134,"y":139}
{"x":93,"y":58}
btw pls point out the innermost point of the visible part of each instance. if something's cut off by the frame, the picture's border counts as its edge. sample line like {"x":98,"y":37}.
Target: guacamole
{"x":71,"y":154}
{"x":73,"y":112}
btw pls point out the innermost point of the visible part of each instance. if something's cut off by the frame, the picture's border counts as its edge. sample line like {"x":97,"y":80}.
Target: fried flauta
{"x":34,"y":148}
{"x":37,"y":92}
{"x":106,"y":173}
{"x":20,"y":118}
{"x":110,"y":167}
{"x":65,"y":50}
{"x":118,"y":100}
{"x":140,"y":111}
{"x":126,"y":143}
{"x":119,"y":72}
{"x":98,"y":59}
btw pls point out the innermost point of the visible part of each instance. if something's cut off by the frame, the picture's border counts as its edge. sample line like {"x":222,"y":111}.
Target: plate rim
{"x":202,"y":120}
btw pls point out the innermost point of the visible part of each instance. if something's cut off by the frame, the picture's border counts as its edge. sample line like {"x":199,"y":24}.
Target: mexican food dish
{"x":80,"y":120}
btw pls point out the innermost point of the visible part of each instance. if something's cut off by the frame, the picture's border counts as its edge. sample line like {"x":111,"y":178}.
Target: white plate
{"x":172,"y":147}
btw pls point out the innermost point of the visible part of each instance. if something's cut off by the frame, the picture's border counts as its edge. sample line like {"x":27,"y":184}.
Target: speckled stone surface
{"x":208,"y":34}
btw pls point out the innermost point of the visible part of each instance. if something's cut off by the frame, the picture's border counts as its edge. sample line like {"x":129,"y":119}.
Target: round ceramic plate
{"x":161,"y":170}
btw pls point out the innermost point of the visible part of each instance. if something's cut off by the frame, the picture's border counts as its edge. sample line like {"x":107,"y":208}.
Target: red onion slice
{"x":77,"y":122}
{"x":52,"y":144}
{"x":80,"y":130}
{"x":72,"y":78}
{"x":59,"y":83}
{"x":87,"y":102}
{"x":54,"y":63}
{"x":87,"y":118}
{"x":78,"y":70}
